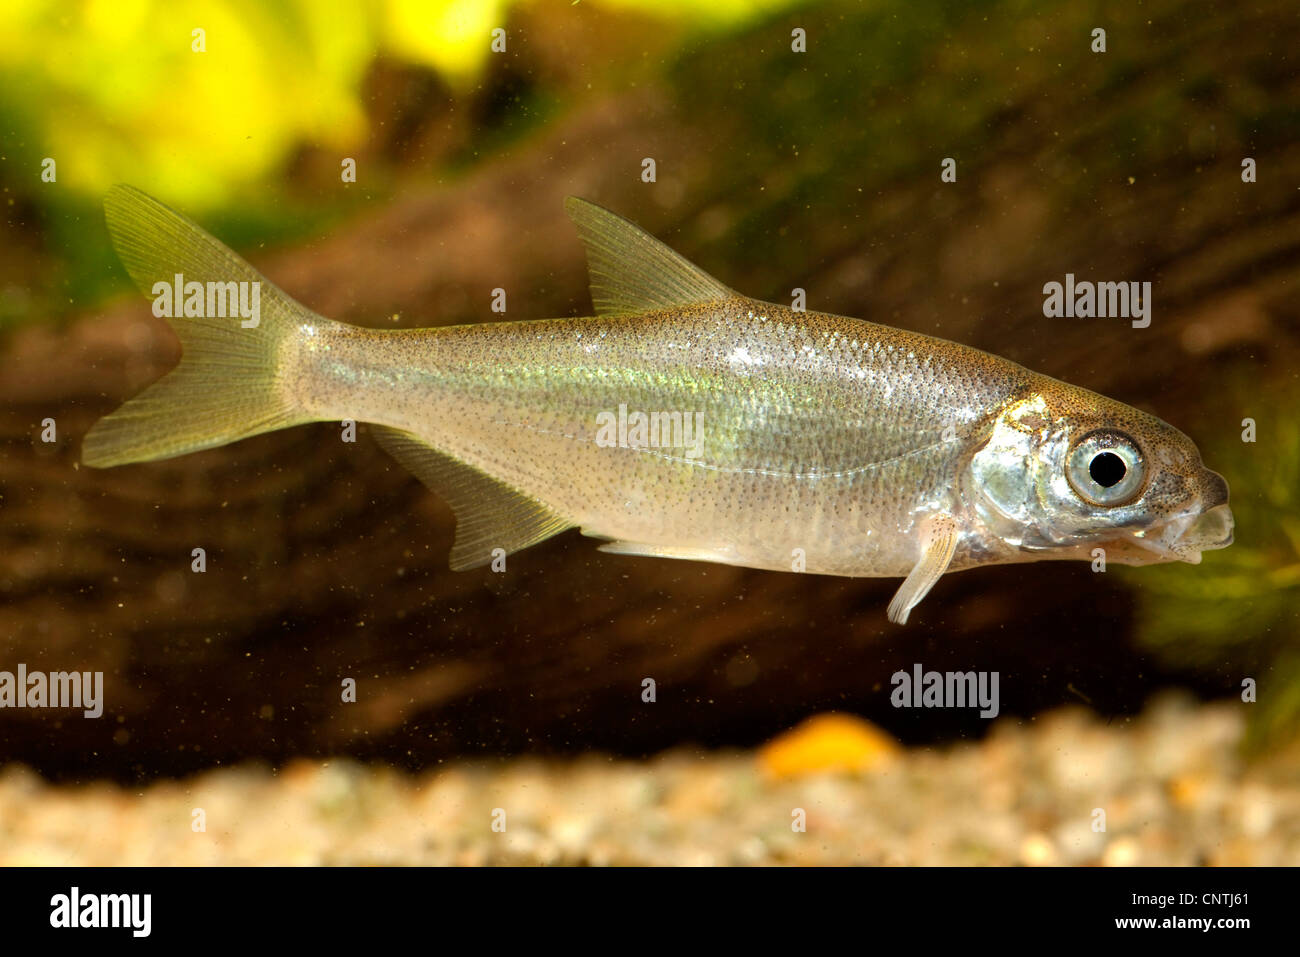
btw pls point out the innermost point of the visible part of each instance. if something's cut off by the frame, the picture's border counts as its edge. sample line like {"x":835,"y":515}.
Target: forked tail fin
{"x":231,"y":322}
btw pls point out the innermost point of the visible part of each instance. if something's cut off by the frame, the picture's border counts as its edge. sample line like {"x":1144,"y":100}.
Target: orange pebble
{"x":827,"y":742}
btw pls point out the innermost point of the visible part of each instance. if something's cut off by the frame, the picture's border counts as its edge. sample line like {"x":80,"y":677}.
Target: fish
{"x":819,"y":444}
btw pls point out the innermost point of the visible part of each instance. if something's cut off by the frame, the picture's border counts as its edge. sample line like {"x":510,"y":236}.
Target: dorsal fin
{"x":631,"y":271}
{"x":489,"y":513}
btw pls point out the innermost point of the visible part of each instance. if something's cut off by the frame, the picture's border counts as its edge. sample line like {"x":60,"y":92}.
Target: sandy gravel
{"x":1171,"y":783}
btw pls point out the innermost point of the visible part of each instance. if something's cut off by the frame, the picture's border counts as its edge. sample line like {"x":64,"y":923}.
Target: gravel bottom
{"x":1171,"y":784}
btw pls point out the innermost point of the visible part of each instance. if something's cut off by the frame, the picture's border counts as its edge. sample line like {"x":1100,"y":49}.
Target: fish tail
{"x":227,"y":385}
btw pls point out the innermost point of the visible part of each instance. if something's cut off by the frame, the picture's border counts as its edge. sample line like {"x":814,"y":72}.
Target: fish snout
{"x":1206,"y":528}
{"x":1216,"y":491}
{"x":1213,"y":527}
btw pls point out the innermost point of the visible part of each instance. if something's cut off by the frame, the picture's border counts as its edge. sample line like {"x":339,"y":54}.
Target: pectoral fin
{"x":938,"y":543}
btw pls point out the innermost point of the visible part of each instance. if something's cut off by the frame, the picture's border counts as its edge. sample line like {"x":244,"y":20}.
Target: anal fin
{"x":489,"y":513}
{"x":938,"y":544}
{"x":668,"y":551}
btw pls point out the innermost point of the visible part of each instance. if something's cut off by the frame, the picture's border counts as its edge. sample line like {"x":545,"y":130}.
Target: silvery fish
{"x":683,"y":420}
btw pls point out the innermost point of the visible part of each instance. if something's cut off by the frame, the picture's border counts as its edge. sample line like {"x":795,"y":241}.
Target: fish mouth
{"x":1213,"y":529}
{"x":1184,"y":538}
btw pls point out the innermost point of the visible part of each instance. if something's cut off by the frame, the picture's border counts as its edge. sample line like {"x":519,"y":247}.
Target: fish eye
{"x":1106,"y":468}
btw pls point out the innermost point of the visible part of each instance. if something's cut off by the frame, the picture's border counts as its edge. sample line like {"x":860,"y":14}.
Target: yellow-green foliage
{"x":1237,"y":613}
{"x":114,"y":90}
{"x":118,"y":91}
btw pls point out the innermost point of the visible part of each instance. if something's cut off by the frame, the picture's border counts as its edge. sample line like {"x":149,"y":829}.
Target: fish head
{"x":1066,"y":471}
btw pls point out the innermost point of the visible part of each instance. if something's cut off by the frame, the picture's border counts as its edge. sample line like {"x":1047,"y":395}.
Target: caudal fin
{"x":227,"y":385}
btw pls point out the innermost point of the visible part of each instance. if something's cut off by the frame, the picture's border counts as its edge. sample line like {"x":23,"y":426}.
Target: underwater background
{"x":775,"y":169}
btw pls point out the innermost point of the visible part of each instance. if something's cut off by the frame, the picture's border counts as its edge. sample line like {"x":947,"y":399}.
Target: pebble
{"x":1172,"y":785}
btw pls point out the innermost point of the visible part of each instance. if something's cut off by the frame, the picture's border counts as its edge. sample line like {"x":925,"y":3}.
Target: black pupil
{"x":1107,"y":469}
